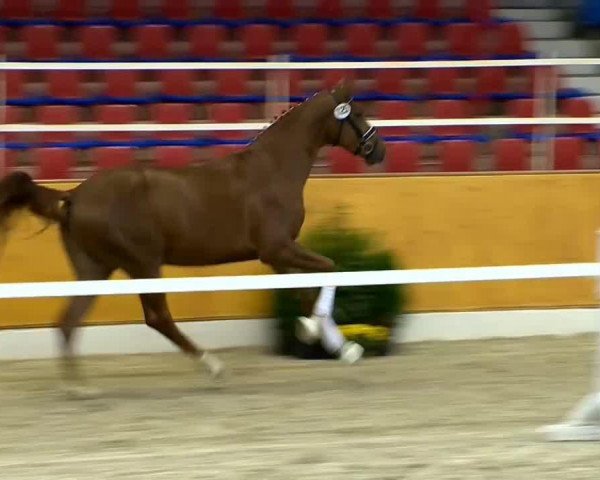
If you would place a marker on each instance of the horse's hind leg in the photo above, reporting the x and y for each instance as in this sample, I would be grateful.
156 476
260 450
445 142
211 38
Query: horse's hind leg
158 317
86 268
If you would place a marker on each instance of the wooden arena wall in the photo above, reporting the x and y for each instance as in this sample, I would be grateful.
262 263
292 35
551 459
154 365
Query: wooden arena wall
433 221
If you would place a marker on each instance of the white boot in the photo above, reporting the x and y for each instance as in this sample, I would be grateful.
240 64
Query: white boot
351 352
308 329
212 363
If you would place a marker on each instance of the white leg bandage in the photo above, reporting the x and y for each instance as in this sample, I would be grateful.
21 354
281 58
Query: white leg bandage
325 301
332 339
212 363
321 324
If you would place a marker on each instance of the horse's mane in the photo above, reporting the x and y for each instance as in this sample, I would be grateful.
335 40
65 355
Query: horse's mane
277 119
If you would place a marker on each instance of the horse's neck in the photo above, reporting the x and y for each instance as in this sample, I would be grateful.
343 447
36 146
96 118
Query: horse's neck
292 143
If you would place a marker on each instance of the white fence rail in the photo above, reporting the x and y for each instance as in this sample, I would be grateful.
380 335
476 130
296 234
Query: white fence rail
276 65
281 65
298 280
254 126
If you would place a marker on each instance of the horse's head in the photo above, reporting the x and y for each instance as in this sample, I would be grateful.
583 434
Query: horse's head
350 129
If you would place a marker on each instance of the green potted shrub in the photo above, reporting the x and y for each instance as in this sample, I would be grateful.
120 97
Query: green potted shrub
365 314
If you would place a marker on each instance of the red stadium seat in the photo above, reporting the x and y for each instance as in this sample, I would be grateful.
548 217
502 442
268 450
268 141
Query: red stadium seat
229 10
179 10
177 82
280 9
524 79
173 156
478 10
330 78
451 109
258 40
510 39
578 107
294 79
361 39
343 162
54 163
64 83
511 154
125 10
568 153
70 9
121 83
112 157
17 9
13 114
463 40
153 41
490 80
231 82
411 39
97 41
56 115
525 108
379 9
442 81
390 81
393 110
329 9
230 113
310 39
15 83
41 41
428 9
204 41
171 113
116 114
402 157
457 155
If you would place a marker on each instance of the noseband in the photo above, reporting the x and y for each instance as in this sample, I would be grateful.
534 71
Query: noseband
343 113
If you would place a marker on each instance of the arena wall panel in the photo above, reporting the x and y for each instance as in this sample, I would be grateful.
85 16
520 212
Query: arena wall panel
432 221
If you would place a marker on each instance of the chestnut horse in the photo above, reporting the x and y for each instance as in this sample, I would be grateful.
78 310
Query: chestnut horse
246 206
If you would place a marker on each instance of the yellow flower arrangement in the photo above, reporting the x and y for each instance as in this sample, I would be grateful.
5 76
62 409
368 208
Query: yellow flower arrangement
355 331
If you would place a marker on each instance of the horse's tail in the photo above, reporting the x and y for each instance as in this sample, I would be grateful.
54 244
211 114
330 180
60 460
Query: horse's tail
18 191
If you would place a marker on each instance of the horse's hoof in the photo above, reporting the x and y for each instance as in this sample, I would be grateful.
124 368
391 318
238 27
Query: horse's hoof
80 392
307 330
351 353
215 367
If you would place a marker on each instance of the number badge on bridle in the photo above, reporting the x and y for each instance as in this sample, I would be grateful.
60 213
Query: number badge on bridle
342 111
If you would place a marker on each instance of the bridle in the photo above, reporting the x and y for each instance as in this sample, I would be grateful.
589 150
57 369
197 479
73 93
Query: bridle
343 114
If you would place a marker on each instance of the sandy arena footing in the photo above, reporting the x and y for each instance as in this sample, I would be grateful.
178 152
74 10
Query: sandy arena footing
448 410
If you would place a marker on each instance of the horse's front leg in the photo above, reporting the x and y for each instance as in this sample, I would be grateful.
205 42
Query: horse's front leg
320 324
292 256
